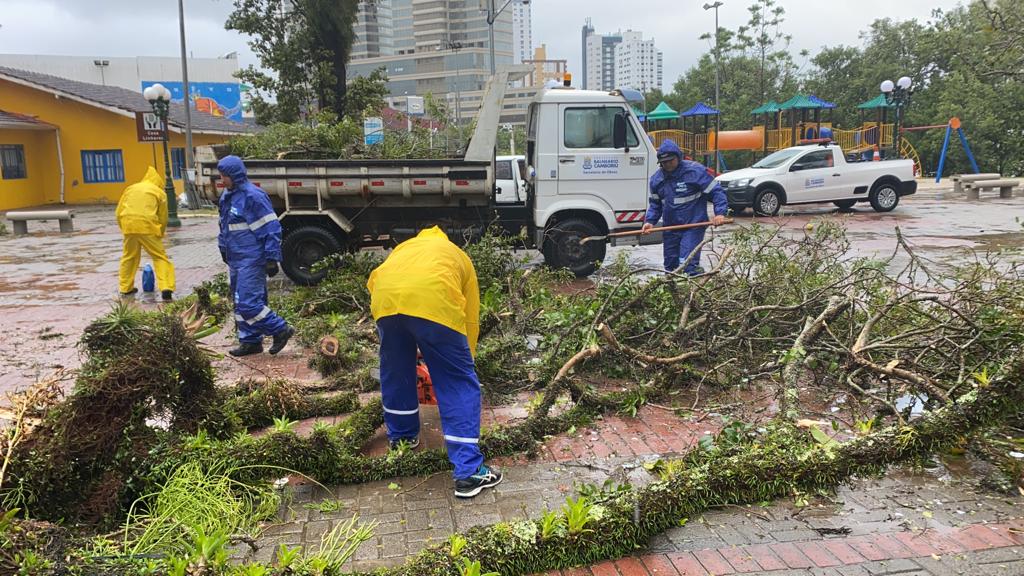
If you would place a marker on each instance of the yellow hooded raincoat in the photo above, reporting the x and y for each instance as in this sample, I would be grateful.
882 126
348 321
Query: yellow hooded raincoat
142 216
428 277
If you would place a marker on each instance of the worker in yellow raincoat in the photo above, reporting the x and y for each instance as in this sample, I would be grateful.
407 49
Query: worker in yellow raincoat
425 296
142 216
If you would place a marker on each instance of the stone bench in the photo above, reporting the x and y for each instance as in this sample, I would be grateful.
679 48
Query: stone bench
1005 188
20 219
960 179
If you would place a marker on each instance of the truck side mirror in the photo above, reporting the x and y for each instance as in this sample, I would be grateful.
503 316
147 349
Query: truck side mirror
619 132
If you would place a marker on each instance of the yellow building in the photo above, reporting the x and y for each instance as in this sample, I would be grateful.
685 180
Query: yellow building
69 142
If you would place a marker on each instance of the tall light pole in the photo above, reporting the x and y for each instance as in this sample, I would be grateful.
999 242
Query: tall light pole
492 15
898 95
718 117
193 198
159 98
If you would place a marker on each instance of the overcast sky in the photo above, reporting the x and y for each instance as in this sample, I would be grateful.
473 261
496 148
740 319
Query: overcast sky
149 27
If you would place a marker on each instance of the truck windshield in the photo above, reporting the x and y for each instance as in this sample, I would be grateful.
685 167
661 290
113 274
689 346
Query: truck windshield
776 159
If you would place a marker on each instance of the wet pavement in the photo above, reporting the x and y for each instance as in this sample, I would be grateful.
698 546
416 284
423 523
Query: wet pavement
912 522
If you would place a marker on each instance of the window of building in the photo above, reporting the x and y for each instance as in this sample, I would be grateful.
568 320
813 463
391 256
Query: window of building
594 128
12 162
99 166
177 162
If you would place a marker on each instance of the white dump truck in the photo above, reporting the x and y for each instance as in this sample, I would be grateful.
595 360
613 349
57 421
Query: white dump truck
588 165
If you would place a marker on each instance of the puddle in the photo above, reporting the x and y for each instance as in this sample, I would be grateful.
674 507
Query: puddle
916 402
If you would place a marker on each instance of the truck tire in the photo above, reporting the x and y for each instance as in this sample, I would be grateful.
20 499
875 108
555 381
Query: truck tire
844 204
767 202
562 247
884 196
302 248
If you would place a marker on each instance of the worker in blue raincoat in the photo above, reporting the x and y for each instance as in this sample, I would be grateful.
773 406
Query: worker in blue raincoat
680 191
425 296
250 244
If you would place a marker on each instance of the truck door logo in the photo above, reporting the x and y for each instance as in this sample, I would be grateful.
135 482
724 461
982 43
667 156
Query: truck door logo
600 165
588 163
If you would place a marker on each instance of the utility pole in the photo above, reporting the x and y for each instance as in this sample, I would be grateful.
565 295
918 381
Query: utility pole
492 15
190 193
718 116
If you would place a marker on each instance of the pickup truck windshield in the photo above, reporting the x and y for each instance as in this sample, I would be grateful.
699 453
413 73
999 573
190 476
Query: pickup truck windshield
776 159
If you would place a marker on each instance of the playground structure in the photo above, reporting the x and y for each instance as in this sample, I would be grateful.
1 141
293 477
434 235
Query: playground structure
798 120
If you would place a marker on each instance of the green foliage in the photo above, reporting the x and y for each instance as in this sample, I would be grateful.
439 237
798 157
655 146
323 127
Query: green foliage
338 545
457 542
284 425
472 568
303 47
551 523
577 515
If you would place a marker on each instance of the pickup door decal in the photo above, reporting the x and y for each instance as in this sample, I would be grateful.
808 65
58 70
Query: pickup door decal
814 183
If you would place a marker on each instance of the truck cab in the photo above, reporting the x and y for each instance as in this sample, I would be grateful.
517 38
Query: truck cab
590 161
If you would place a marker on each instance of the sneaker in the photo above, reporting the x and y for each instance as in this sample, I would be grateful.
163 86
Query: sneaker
167 295
130 293
281 339
246 349
484 478
410 443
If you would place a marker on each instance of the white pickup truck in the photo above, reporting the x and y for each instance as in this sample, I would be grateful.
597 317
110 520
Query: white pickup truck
817 173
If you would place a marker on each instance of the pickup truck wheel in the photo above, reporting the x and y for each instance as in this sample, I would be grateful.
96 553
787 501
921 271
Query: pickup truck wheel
884 197
302 248
845 204
562 247
767 202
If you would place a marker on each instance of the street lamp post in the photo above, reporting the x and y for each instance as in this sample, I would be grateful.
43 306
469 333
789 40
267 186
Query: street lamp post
898 95
159 98
718 117
492 16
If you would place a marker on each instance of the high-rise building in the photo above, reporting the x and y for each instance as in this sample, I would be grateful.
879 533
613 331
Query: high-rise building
623 59
373 29
638 63
437 47
588 29
600 56
522 31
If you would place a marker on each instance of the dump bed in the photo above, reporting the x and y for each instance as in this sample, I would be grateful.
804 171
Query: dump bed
410 183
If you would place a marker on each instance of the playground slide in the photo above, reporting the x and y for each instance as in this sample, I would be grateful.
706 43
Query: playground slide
737 140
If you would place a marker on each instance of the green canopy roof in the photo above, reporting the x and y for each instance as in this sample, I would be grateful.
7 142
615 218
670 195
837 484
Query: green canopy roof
800 102
662 112
769 107
876 102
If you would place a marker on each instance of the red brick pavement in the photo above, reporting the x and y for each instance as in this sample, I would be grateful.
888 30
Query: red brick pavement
832 552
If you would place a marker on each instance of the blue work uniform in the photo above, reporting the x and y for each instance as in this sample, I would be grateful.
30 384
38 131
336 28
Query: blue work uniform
681 198
250 236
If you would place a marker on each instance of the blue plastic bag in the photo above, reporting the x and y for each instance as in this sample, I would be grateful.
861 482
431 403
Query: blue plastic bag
148 279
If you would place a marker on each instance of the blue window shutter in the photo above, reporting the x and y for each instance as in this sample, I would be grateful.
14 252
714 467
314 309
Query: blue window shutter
102 166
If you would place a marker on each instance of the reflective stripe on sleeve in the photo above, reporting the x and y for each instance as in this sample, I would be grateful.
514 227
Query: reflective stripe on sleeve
461 440
238 226
263 221
709 187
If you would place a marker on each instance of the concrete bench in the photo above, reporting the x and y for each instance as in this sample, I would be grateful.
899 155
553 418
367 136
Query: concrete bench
1005 187
20 219
960 179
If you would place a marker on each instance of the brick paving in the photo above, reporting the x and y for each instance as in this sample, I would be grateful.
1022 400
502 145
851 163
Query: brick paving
52 285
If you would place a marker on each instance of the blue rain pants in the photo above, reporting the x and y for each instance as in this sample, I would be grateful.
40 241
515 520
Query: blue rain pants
453 375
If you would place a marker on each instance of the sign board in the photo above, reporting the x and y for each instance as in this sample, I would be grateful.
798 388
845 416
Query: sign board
373 131
149 127
414 106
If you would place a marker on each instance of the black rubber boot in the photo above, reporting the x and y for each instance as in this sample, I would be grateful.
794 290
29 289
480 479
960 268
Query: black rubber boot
246 349
167 295
281 339
130 293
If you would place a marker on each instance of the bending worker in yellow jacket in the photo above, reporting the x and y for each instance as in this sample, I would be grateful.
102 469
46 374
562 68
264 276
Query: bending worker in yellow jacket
426 295
142 216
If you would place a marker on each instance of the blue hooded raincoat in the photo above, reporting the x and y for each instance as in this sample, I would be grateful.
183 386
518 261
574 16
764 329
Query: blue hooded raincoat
681 197
250 236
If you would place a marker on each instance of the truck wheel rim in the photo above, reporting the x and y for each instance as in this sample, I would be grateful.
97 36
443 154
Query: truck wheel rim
886 197
769 202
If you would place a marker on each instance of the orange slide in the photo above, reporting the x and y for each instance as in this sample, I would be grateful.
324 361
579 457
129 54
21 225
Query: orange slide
738 140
